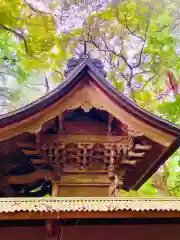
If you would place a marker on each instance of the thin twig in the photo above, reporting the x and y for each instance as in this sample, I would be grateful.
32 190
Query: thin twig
138 73
47 85
57 71
142 48
148 81
144 41
33 88
128 28
111 63
5 73
92 41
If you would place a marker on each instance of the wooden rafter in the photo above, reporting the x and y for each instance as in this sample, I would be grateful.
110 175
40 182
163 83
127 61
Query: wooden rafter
136 154
142 147
31 177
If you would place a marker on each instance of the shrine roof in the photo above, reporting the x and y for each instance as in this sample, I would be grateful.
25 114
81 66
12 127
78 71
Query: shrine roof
117 207
15 124
86 67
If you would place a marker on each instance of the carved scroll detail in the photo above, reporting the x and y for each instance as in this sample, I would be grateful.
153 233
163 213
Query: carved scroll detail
83 155
117 154
85 104
133 132
35 129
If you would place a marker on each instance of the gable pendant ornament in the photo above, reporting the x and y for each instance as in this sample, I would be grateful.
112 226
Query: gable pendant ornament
86 105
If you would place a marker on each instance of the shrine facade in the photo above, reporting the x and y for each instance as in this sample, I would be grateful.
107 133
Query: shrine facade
85 137
82 143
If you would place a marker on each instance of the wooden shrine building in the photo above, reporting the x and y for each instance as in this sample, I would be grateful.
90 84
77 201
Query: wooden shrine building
82 142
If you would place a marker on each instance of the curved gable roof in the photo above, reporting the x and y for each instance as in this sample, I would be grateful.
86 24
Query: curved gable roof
86 67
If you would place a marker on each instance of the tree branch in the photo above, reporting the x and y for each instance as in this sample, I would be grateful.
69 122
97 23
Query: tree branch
144 41
111 62
138 73
128 28
33 88
5 73
142 48
119 55
40 11
47 85
17 34
112 51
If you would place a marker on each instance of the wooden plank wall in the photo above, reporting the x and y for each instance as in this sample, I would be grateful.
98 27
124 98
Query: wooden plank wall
114 232
22 233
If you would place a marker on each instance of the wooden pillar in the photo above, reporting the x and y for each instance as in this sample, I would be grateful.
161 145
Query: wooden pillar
38 144
50 230
55 189
110 119
5 187
115 173
60 123
7 190
54 230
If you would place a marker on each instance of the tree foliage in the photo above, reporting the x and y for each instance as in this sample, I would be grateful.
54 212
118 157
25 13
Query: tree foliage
137 40
30 43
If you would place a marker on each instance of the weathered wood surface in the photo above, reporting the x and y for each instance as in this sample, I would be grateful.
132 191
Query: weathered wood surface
83 138
85 178
107 231
31 177
83 190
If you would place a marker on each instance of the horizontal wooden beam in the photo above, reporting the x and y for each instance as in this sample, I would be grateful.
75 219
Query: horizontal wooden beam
93 214
129 162
31 177
7 190
136 154
38 161
60 138
87 178
84 171
26 145
83 184
31 152
142 147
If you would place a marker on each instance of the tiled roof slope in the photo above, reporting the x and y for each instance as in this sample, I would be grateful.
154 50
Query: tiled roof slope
8 205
